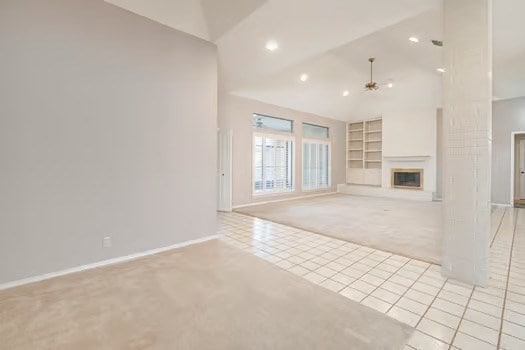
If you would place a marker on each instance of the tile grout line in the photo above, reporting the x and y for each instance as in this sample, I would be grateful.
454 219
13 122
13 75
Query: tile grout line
428 308
379 286
499 226
405 292
465 311
456 330
508 279
461 320
432 303
329 261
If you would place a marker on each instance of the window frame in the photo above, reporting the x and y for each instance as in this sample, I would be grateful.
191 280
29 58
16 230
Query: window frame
328 133
270 130
318 141
279 135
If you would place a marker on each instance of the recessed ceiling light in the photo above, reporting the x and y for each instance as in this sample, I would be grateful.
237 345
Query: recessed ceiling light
304 77
413 39
441 70
346 93
390 85
272 45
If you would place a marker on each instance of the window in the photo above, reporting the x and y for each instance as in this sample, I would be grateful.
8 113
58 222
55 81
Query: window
316 157
264 122
272 163
315 131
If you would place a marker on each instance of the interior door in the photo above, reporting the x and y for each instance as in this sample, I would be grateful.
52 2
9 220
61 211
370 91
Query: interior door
224 170
522 168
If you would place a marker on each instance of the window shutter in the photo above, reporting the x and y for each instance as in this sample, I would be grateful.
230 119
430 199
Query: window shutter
316 164
273 164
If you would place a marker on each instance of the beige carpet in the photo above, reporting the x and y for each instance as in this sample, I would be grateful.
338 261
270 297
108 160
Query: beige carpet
206 296
405 227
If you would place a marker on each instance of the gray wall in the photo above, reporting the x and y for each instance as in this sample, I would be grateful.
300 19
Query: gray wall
507 116
236 113
107 127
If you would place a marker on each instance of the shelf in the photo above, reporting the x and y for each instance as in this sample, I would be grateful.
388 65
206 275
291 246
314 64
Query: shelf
364 138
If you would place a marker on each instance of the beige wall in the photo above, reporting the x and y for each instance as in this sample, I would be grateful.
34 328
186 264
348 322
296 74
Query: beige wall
107 128
507 116
235 113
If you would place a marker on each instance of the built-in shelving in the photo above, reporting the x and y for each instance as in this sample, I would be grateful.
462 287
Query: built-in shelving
364 152
355 147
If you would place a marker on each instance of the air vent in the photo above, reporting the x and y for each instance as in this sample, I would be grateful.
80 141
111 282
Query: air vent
437 43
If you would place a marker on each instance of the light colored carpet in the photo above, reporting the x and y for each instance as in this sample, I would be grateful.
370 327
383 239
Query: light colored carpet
206 296
409 228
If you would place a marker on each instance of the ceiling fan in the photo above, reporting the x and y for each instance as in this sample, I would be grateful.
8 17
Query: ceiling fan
372 85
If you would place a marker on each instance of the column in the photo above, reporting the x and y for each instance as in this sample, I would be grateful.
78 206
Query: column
467 124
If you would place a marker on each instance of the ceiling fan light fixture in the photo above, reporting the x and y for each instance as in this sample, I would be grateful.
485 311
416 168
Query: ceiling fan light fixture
371 85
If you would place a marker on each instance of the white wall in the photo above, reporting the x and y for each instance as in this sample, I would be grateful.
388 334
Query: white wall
507 116
409 134
235 113
409 112
107 128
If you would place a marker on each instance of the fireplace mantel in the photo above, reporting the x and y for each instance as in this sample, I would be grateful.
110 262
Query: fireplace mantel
407 158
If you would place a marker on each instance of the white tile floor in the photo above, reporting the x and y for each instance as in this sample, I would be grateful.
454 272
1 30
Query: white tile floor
445 313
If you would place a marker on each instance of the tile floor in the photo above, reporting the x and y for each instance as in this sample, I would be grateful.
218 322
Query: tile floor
445 313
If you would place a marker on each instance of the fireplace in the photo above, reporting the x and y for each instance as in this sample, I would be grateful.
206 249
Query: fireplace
407 178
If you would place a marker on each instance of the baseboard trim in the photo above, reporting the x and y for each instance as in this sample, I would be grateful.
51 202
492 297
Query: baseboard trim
385 192
283 200
112 261
502 205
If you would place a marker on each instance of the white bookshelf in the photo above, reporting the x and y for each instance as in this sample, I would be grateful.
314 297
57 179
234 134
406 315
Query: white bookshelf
354 145
364 152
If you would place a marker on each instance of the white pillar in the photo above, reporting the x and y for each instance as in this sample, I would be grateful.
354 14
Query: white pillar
467 132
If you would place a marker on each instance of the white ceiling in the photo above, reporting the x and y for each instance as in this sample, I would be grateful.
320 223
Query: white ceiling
331 40
184 15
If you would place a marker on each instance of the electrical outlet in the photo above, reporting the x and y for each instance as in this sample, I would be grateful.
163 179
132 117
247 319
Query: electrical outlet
106 242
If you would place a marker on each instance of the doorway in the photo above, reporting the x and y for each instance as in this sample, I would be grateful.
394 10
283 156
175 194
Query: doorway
224 170
519 170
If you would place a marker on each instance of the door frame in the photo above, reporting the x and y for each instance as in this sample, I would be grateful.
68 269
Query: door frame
225 171
513 162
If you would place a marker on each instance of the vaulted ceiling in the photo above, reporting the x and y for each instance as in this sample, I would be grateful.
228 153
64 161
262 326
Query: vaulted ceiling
331 40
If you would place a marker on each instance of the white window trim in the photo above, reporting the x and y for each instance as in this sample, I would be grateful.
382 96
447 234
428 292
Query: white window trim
284 136
323 142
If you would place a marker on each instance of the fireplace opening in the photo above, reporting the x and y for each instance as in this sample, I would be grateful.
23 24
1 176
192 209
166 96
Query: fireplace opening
407 178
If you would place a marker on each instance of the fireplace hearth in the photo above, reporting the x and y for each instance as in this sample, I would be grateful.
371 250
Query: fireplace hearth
407 178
